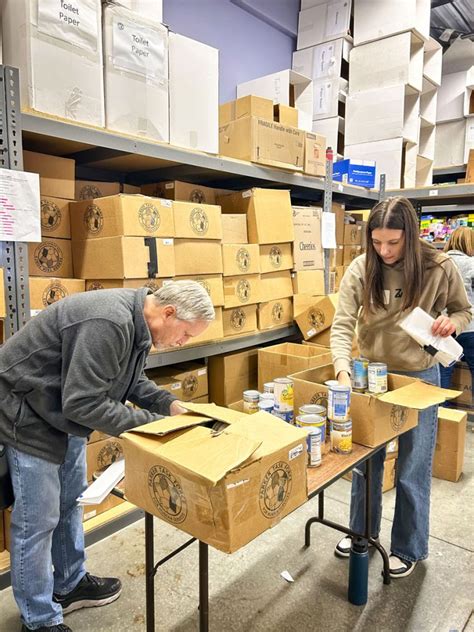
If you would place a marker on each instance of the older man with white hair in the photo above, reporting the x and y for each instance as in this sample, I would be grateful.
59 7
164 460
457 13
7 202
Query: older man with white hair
67 372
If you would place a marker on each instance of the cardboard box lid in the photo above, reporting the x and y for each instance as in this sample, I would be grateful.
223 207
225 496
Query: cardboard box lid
418 395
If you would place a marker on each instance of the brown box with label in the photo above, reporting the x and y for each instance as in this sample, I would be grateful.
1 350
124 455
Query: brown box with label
130 189
462 381
352 234
231 374
197 221
197 256
240 259
318 317
286 358
101 454
234 229
182 191
268 211
274 257
336 256
121 215
134 284
274 314
239 320
375 419
55 218
242 290
212 283
45 291
307 247
263 142
285 114
314 154
339 211
275 285
350 253
51 257
57 175
449 453
91 189
245 106
186 381
214 331
309 282
389 475
226 488
123 258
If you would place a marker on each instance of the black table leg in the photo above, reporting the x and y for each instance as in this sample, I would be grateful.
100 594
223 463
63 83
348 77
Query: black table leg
311 521
149 573
203 587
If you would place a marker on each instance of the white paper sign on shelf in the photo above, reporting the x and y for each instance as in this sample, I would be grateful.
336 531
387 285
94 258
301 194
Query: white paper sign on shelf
20 208
139 49
328 230
75 23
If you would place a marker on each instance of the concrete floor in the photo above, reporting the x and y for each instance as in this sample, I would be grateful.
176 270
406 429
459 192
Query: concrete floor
248 594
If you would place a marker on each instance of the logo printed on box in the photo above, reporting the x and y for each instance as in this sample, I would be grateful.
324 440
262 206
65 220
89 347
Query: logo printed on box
93 219
275 489
277 312
50 215
205 285
398 417
238 319
316 318
167 494
149 217
319 398
199 221
54 292
243 259
190 385
48 257
95 285
275 257
90 192
354 232
109 454
243 291
197 196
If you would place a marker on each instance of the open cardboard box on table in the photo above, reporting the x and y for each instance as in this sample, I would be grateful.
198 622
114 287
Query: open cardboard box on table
375 419
288 357
224 487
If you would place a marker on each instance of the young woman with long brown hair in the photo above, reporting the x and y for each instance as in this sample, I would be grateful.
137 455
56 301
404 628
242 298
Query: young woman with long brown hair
398 273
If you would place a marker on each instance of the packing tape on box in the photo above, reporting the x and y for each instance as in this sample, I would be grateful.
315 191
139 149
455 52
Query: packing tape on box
150 242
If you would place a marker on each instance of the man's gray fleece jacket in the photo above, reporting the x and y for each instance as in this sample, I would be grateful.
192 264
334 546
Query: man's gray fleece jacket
71 369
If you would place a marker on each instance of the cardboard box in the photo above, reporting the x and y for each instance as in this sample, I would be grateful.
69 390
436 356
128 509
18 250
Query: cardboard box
309 282
350 253
129 189
91 511
301 302
315 146
352 234
336 256
214 331
180 191
339 211
259 205
240 259
324 61
389 475
247 106
124 258
234 229
263 142
286 87
275 257
454 96
223 489
91 189
197 256
186 382
332 129
110 284
285 114
45 291
97 435
449 453
462 381
51 257
56 174
307 248
318 317
242 290
275 313
275 285
210 282
286 358
101 454
55 218
197 221
391 450
239 320
338 273
231 374
324 340
121 216
375 419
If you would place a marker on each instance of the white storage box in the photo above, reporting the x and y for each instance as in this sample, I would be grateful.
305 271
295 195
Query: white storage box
426 148
194 94
388 62
286 87
149 9
433 59
136 74
375 19
381 114
328 60
424 172
329 97
324 22
428 101
454 96
453 141
459 56
333 130
59 54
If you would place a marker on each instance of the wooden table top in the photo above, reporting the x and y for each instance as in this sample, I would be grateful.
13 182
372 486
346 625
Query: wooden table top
333 466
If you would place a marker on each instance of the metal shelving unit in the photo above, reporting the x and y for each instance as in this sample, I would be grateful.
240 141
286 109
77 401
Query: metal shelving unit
449 194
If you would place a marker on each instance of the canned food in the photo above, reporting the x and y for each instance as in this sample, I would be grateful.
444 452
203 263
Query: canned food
313 441
330 383
283 391
313 421
360 374
266 405
339 402
268 387
286 415
313 409
251 399
377 378
266 396
341 437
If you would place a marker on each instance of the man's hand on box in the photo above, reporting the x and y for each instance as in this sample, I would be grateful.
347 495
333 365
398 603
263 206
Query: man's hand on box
176 408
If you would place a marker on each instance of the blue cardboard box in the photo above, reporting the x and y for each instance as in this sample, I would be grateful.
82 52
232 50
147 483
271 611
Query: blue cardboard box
351 171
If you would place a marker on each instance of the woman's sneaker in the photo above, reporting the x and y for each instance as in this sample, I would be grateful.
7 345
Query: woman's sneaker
399 567
48 628
343 547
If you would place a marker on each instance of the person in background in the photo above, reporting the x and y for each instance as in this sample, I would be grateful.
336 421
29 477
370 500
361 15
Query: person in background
398 273
460 248
70 370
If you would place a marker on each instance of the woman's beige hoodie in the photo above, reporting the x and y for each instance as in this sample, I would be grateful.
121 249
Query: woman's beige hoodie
380 337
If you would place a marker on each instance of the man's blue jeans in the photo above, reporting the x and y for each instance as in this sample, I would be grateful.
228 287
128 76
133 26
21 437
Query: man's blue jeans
47 538
410 529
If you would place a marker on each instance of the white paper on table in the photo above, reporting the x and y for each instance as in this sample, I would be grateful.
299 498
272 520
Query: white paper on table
328 230
418 325
102 487
20 208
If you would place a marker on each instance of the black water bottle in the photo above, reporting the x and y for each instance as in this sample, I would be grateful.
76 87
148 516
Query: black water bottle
358 572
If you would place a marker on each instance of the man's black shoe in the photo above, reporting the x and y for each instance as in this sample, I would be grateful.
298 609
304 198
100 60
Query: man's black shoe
90 592
48 628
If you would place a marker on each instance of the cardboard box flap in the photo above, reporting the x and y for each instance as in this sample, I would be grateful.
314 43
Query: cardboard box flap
166 426
213 412
451 414
418 395
273 433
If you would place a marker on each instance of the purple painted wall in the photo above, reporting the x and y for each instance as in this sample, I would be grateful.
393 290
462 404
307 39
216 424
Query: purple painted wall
250 46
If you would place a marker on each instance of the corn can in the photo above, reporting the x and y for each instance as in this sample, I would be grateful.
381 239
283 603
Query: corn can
341 437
